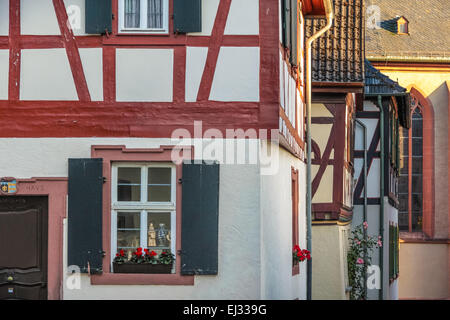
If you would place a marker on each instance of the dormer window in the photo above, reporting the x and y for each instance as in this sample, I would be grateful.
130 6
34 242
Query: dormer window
402 25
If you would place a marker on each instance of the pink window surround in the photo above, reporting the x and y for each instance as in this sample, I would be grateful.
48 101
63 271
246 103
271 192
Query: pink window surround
56 191
120 153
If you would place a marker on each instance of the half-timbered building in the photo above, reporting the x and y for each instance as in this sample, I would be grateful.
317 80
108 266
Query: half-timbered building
98 100
386 111
337 88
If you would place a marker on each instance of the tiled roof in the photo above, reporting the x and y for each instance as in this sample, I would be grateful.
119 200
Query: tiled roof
378 83
338 55
428 27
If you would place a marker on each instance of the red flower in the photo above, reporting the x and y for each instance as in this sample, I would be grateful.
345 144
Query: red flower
302 258
117 254
122 253
153 253
296 248
139 250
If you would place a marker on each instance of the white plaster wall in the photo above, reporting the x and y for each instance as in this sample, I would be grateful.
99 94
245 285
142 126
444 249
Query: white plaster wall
209 12
4 17
4 73
92 61
38 17
144 75
195 64
76 14
239 218
45 74
276 231
236 79
243 18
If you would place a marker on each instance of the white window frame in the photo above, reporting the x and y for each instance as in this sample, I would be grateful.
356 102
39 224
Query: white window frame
143 19
142 206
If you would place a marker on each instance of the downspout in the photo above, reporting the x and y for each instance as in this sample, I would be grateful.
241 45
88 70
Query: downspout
365 198
329 15
382 156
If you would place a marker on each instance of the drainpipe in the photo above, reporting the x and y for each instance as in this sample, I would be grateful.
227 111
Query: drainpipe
330 16
365 198
382 156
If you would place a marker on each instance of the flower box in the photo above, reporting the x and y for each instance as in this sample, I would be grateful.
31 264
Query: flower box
141 268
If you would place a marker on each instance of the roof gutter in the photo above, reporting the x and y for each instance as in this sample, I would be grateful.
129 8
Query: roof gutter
330 16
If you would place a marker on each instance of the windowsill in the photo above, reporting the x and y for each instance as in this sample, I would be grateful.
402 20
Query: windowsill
142 279
142 33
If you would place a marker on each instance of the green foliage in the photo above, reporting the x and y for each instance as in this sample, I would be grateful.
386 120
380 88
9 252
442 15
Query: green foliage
145 257
359 258
166 257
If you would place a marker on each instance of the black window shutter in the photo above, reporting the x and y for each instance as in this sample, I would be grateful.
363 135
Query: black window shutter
85 214
187 15
200 219
98 16
294 22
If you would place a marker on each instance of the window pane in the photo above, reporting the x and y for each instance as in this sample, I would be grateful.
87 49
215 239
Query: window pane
129 184
403 184
128 231
159 233
417 165
416 221
417 128
132 13
403 202
155 14
416 184
417 202
403 220
416 147
159 184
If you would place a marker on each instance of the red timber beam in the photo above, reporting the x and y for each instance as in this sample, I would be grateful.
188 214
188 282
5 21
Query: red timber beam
73 54
14 50
213 51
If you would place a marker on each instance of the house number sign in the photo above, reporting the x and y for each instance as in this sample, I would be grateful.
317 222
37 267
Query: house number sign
8 185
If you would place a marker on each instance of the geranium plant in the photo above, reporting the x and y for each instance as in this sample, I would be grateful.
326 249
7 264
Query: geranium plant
299 255
120 257
359 258
145 256
166 257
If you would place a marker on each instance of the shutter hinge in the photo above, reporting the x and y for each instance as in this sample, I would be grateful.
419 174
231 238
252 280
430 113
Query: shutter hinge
180 181
104 179
179 252
112 16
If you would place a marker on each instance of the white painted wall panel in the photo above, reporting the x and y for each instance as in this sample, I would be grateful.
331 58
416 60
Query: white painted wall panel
76 13
195 64
92 61
4 74
276 234
209 12
144 75
243 18
38 17
373 178
236 79
4 17
45 74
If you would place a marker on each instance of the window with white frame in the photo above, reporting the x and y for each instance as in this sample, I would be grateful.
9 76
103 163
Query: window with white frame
143 207
150 16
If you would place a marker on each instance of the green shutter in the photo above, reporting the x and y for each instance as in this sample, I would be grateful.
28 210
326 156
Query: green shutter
294 25
85 191
286 15
200 219
98 16
187 15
